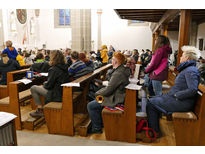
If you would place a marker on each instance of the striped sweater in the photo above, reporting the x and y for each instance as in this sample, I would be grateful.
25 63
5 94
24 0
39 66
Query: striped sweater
78 69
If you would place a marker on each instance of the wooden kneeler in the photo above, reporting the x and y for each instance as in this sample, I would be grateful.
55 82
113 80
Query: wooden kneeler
121 126
33 123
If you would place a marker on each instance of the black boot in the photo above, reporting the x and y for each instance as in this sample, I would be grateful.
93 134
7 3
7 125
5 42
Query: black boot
37 113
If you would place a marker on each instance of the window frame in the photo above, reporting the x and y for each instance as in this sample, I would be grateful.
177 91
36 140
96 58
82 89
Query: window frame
130 23
56 19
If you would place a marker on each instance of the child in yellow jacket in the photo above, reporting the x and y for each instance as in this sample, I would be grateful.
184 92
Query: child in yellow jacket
104 55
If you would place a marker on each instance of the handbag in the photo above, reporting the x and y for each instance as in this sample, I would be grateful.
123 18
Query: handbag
143 125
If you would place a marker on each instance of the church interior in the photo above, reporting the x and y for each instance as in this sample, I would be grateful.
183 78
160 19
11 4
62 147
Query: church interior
32 31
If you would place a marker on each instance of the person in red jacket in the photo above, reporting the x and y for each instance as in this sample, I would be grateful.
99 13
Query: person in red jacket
158 68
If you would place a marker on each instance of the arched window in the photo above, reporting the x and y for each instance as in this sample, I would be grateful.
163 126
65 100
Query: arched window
62 18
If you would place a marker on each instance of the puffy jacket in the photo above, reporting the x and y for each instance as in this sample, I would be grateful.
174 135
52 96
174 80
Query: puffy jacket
182 95
104 55
20 60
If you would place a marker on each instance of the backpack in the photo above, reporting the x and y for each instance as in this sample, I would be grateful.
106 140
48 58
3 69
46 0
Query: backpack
143 125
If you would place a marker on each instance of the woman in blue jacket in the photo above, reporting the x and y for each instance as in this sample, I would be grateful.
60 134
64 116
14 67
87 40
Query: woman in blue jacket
181 97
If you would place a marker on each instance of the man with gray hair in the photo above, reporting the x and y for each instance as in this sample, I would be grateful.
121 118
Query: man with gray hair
181 97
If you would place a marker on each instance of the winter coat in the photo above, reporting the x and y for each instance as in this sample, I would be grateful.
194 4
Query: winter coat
40 67
104 55
114 93
19 58
11 65
158 69
182 95
57 75
11 52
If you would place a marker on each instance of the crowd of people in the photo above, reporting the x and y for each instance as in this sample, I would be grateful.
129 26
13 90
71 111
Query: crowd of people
67 65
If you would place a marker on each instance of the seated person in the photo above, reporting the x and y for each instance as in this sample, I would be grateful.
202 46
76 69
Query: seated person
88 63
131 65
39 58
181 97
10 51
27 59
67 56
97 64
77 68
40 67
113 93
20 59
7 65
51 89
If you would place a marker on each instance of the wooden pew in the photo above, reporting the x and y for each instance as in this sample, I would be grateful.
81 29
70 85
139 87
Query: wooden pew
11 76
172 73
60 116
121 126
19 92
26 66
189 126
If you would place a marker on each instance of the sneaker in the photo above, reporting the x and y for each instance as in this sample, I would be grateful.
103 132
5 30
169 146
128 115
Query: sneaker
37 113
95 131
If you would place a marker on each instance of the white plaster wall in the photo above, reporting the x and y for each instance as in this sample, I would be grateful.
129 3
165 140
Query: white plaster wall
54 38
201 34
116 32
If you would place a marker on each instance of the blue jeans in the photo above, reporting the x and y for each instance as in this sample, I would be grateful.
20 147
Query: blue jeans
155 88
153 115
95 110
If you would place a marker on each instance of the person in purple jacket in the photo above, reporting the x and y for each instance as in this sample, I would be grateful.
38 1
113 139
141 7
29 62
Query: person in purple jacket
10 51
182 96
158 68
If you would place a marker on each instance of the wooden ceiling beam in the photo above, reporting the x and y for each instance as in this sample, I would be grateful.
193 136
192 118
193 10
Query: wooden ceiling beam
168 16
139 10
141 14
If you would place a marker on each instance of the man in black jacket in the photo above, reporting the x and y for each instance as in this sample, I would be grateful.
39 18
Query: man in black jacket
7 65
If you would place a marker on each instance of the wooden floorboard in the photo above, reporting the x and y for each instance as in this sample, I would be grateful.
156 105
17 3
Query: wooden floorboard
168 138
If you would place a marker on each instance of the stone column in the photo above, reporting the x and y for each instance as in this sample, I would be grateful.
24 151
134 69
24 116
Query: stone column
99 12
1 31
87 30
81 29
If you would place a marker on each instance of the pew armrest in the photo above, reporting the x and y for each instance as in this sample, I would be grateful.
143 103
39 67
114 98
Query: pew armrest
53 105
184 115
3 86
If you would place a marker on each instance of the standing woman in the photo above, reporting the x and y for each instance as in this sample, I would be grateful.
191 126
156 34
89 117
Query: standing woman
51 89
158 69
